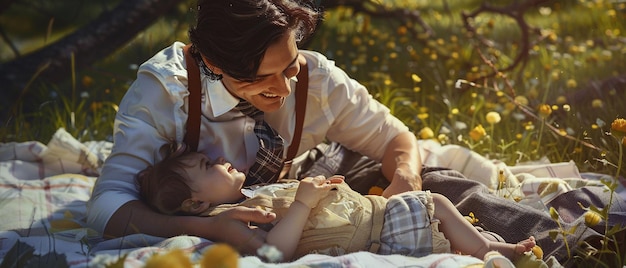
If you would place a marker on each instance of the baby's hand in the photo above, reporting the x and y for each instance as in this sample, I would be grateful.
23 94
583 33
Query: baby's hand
312 189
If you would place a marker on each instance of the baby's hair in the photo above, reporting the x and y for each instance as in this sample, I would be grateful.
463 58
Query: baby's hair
164 185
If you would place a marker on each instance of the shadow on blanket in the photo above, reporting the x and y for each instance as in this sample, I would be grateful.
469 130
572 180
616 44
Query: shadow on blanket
514 221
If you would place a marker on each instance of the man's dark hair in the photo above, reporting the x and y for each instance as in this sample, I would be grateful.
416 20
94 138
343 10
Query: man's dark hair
233 35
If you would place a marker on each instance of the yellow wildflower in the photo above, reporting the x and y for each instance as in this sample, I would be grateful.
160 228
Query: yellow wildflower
521 100
375 190
402 30
493 118
592 218
443 138
87 81
427 133
220 255
477 133
618 127
173 259
556 75
597 103
571 83
545 110
471 218
416 78
566 107
538 252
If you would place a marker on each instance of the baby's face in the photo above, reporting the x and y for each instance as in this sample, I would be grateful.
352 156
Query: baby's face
215 182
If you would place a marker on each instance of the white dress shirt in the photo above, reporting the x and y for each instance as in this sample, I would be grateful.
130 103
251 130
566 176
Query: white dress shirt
154 112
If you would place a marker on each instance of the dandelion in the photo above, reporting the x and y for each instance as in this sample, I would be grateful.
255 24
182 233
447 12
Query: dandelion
618 128
402 30
269 252
471 218
545 110
477 133
87 81
416 78
175 259
493 118
561 100
571 83
592 218
426 133
443 138
375 190
220 255
545 11
566 107
521 100
597 103
538 252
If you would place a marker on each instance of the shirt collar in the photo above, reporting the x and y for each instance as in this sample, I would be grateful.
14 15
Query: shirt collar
220 99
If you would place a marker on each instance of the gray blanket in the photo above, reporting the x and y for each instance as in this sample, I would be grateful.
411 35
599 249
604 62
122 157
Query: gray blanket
516 222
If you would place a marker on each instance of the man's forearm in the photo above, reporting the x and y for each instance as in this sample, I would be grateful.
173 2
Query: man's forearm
135 217
402 153
230 226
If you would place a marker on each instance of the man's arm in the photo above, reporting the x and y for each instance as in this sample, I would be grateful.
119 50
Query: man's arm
230 226
402 165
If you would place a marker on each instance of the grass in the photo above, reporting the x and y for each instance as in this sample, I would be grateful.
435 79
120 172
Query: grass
426 81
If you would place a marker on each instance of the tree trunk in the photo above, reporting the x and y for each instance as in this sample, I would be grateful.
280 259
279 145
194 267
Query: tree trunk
88 44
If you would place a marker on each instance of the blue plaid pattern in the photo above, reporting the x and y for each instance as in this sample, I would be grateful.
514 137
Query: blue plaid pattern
269 158
407 227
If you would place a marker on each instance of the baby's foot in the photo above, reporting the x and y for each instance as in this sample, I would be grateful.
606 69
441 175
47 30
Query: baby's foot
525 246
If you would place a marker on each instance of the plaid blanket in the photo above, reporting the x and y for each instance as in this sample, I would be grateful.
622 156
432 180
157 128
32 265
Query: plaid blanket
44 189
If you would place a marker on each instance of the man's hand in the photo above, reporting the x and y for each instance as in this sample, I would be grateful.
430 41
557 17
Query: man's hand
403 181
232 226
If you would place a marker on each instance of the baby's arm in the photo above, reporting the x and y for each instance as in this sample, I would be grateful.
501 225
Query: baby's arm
286 234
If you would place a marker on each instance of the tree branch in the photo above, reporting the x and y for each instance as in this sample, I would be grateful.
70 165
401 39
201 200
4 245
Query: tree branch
94 41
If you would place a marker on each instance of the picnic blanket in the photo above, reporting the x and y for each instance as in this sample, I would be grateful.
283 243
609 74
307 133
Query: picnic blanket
44 189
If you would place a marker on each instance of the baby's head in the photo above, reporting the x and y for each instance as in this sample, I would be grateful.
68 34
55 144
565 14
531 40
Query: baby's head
188 183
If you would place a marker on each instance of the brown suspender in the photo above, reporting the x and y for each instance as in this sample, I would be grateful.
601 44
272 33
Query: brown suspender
192 134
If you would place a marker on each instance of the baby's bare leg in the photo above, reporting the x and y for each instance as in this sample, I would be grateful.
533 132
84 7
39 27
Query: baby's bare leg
466 239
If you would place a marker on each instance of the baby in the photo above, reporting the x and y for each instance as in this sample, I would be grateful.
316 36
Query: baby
318 215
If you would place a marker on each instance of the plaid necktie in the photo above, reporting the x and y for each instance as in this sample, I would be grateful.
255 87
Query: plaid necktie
269 158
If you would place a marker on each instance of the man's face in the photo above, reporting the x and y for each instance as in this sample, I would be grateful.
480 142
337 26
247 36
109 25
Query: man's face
272 85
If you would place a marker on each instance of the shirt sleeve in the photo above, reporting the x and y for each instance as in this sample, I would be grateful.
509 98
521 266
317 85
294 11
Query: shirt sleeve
142 125
356 120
